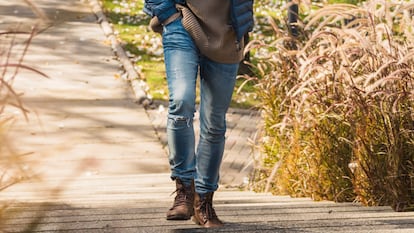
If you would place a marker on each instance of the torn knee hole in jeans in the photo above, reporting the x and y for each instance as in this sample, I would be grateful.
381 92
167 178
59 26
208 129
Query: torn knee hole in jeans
181 119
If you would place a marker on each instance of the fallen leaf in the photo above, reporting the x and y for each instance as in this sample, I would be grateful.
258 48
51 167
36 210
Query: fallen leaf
106 42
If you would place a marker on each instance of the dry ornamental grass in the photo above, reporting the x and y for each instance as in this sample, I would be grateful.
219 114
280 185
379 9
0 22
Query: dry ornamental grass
13 167
338 105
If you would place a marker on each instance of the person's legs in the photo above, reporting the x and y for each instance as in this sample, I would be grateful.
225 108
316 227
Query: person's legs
217 84
216 89
181 62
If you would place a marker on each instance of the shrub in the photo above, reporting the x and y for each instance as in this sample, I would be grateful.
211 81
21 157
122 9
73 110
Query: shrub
338 105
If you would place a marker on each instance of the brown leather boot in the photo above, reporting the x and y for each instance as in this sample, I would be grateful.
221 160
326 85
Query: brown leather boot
182 208
204 213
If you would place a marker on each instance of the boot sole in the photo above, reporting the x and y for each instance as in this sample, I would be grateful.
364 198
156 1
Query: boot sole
178 217
195 220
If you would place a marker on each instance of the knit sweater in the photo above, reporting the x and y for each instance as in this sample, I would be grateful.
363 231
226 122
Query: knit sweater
217 26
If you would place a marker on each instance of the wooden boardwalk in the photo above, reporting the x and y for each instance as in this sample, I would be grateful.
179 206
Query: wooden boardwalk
99 161
138 203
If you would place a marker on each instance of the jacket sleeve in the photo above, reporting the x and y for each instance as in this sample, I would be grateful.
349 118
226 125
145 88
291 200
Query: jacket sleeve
163 9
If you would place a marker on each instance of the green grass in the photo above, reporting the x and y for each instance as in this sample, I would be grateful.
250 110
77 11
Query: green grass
131 26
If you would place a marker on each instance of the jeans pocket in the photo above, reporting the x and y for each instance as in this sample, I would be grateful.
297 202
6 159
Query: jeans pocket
172 18
173 25
174 36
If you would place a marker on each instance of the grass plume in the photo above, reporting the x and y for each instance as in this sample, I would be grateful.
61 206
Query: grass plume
338 105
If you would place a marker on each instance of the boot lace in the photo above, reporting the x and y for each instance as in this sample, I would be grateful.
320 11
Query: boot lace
181 198
207 210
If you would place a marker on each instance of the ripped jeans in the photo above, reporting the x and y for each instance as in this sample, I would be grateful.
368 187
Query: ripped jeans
183 64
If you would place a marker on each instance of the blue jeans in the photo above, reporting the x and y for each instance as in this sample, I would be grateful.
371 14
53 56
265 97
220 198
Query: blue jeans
183 64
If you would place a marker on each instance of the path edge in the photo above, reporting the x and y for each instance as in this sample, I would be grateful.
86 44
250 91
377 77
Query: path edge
138 85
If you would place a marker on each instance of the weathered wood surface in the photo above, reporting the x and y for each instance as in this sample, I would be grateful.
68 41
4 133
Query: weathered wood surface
138 203
100 163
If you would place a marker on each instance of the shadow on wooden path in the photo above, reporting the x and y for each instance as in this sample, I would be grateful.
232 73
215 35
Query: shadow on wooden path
99 162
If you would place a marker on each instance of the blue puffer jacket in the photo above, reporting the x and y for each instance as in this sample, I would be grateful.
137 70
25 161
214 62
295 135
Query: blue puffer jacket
241 13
